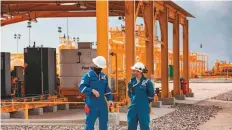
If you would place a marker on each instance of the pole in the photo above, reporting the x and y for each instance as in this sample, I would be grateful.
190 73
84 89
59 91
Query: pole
29 36
17 45
67 31
116 61
42 71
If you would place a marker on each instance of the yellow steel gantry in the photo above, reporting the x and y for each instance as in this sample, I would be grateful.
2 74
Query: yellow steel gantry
163 11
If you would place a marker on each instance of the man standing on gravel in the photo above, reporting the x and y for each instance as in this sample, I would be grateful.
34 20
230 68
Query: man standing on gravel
141 93
94 85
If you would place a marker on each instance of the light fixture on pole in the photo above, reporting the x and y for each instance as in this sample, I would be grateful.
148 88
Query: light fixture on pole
29 26
60 31
17 37
76 40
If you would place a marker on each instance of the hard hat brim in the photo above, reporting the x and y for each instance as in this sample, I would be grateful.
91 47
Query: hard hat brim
95 62
133 68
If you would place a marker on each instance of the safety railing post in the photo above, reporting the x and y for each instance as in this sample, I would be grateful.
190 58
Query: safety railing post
26 111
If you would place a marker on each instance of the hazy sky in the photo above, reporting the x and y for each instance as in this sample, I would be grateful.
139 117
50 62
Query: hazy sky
212 27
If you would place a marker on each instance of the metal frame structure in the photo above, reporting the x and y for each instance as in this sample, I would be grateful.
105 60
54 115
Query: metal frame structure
163 11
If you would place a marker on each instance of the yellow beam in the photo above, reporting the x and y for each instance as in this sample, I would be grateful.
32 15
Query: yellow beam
186 52
130 37
176 55
102 30
148 16
164 52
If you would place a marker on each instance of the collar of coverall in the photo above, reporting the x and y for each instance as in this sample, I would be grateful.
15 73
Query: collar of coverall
142 78
92 73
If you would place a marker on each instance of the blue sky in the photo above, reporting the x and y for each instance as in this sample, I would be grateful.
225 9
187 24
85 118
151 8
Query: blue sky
212 27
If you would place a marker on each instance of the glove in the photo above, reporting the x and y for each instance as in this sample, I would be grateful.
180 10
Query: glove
87 110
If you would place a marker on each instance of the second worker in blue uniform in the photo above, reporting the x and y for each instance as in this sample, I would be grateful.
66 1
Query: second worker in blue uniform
141 93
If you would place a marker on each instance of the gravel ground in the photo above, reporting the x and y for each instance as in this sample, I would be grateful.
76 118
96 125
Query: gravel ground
224 97
185 117
54 127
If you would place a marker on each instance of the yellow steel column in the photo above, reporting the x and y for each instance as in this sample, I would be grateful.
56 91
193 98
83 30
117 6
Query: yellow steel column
164 52
130 37
176 55
149 33
186 52
102 30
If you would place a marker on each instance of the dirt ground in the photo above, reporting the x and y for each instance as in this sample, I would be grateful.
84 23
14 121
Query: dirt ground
222 120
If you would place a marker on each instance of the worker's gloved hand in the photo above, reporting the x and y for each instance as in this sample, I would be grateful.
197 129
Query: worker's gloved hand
95 92
87 110
111 103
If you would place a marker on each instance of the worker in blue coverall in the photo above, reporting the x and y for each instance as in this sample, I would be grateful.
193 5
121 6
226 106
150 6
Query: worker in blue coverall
141 94
94 85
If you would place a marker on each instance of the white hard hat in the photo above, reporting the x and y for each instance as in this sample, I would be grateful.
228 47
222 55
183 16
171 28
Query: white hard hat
100 61
138 66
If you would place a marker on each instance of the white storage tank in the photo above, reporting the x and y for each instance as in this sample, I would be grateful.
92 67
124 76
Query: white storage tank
74 63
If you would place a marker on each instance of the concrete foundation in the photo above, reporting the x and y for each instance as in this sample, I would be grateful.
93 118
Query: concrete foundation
18 114
113 119
36 111
50 109
190 95
157 104
180 97
168 101
5 115
123 109
76 106
63 107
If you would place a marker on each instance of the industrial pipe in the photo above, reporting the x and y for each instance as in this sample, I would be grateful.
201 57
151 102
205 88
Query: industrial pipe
116 62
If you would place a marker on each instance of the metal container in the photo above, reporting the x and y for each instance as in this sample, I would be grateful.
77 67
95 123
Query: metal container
74 70
73 56
70 82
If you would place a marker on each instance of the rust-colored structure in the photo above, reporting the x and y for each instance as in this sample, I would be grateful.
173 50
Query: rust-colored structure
163 11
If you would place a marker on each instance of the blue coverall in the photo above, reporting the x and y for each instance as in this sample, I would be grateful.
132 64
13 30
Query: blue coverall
141 93
98 105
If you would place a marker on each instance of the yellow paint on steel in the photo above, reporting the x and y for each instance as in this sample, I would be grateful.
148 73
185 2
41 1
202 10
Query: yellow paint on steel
176 55
149 32
186 52
130 38
102 13
164 52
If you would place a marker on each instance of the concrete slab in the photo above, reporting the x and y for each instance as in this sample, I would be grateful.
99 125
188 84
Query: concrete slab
123 109
18 114
180 97
167 101
63 107
5 115
190 95
157 104
113 119
205 90
36 111
188 101
77 116
50 109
